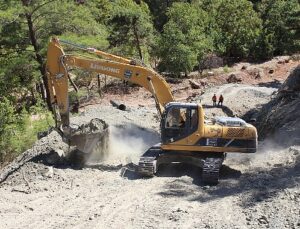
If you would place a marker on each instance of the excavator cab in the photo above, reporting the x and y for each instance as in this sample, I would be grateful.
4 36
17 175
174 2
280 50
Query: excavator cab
179 121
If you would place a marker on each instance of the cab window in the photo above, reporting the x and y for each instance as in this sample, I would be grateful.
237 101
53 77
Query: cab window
176 118
194 119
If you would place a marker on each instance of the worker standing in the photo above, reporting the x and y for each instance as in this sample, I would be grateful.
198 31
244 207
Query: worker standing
214 99
221 99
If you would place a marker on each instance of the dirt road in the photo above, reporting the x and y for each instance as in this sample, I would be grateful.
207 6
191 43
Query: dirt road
250 195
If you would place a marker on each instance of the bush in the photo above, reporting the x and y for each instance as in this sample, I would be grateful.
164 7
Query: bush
226 69
18 131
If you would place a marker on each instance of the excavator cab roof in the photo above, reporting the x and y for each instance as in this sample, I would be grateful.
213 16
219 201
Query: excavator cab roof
183 105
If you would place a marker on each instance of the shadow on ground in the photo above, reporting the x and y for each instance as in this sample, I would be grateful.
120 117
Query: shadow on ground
257 186
272 84
253 186
183 185
225 109
180 170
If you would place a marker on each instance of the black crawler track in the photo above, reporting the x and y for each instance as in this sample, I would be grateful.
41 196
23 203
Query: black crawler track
211 169
147 163
210 163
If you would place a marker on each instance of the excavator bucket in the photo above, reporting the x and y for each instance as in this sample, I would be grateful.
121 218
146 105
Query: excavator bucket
89 142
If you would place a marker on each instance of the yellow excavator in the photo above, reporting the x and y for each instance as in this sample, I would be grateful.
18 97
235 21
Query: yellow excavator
186 136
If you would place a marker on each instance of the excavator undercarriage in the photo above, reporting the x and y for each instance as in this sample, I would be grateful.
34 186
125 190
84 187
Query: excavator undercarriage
210 163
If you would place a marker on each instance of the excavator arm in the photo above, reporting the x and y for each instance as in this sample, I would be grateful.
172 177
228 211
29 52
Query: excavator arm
57 74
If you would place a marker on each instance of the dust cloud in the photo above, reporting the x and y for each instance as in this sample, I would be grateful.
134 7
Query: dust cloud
128 142
268 151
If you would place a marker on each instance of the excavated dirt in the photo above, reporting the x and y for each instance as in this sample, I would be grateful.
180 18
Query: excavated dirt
90 137
90 140
255 191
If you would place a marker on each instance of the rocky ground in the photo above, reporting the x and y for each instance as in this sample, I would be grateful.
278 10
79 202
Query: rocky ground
255 191
250 195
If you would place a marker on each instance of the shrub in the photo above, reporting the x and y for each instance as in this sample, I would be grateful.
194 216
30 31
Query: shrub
18 131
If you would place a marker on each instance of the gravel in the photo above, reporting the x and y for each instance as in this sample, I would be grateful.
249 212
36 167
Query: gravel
255 191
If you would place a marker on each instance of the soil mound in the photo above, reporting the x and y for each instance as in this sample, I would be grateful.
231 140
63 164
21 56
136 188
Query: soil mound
89 139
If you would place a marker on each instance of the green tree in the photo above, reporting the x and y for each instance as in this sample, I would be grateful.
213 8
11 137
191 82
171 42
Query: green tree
184 40
159 9
131 28
281 26
26 30
100 9
235 27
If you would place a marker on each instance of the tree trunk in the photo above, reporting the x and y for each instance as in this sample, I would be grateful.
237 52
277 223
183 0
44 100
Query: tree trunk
99 85
33 99
38 57
137 39
42 90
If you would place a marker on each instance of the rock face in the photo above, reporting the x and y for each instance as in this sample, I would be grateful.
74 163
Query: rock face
292 84
280 118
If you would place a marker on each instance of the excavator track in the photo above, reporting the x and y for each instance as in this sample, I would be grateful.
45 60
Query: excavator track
147 164
211 169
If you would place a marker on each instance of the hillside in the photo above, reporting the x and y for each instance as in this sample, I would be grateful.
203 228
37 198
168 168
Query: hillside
280 118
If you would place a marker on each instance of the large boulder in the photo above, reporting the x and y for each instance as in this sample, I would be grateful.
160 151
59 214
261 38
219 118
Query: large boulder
211 61
234 78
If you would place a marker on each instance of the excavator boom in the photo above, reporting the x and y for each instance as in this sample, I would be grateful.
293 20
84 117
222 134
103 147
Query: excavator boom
57 69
